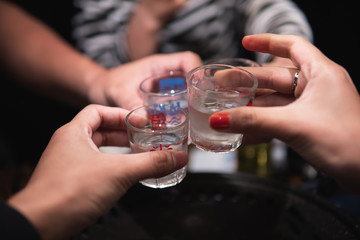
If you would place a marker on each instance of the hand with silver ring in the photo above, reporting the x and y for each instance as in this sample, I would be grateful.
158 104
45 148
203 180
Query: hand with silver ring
318 114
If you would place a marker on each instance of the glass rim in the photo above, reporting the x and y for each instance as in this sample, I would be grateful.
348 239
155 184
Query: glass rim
209 66
249 61
165 74
154 130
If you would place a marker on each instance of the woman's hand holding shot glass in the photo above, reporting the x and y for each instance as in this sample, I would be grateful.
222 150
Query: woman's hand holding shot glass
315 108
74 183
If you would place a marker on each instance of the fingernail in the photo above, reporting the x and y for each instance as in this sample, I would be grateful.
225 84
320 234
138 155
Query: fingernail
180 159
220 121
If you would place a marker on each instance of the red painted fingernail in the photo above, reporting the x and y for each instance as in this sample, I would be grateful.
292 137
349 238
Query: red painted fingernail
220 121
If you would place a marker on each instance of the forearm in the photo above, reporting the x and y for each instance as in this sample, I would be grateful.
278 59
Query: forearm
40 58
142 34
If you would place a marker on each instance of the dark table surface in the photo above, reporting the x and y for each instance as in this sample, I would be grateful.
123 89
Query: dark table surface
223 206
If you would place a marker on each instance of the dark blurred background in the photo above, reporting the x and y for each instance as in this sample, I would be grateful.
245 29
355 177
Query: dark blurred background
334 25
28 120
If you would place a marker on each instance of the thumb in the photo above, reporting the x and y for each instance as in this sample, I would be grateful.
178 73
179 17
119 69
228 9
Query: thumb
273 122
155 164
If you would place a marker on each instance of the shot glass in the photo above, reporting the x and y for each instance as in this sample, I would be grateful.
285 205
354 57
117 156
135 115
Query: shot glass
212 88
159 127
168 87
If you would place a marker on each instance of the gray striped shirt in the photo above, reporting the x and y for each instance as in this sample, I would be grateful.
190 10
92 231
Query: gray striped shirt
211 28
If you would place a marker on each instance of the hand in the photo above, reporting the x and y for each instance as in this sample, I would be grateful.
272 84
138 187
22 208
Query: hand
321 122
74 183
120 86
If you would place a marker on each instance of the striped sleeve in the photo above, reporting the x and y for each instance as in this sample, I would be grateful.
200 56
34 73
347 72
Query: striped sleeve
211 28
272 16
99 30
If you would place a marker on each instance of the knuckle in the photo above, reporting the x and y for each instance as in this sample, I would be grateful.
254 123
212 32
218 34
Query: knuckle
299 38
343 71
60 130
296 39
65 132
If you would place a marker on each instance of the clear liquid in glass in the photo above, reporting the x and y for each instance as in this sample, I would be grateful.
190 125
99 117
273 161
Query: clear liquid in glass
162 143
205 137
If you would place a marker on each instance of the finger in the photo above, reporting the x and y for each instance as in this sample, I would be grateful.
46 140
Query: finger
108 125
296 48
278 122
273 99
110 137
239 78
95 116
153 164
279 79
263 91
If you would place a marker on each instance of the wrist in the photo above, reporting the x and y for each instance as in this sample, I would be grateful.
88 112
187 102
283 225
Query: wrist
41 212
53 215
93 78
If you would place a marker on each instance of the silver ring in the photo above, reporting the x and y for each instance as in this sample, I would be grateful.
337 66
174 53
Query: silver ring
296 77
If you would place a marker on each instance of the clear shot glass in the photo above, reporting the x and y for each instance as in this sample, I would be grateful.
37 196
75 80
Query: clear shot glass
212 88
159 127
168 87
